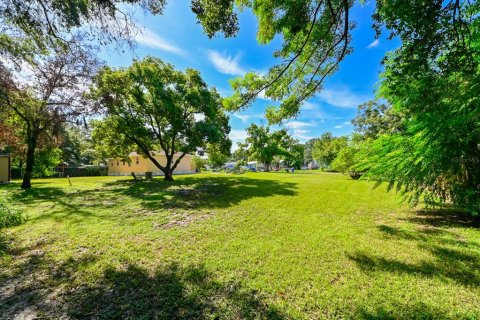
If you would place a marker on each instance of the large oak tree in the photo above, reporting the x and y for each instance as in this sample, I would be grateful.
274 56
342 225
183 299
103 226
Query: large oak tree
151 105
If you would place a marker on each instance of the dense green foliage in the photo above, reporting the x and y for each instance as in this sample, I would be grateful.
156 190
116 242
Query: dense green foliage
315 38
348 157
432 83
222 246
327 147
216 156
374 119
264 145
151 106
28 28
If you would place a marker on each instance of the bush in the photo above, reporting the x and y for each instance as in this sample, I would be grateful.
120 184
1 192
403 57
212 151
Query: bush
91 171
9 216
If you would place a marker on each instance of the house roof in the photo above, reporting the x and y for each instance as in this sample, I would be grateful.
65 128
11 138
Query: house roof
155 153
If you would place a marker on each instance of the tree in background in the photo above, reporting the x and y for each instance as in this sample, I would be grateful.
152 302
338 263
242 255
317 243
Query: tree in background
308 151
348 157
217 156
375 118
47 92
264 145
200 163
150 105
241 154
295 157
76 145
327 147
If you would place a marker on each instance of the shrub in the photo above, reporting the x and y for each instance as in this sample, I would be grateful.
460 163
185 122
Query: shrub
9 216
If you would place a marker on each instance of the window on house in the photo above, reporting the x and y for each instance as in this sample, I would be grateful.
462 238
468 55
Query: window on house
137 161
111 163
123 163
118 163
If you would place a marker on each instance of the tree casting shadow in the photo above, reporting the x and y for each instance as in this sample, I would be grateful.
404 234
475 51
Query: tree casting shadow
194 192
41 287
453 257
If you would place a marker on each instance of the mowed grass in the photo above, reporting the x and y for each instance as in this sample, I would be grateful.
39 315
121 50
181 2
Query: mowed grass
219 246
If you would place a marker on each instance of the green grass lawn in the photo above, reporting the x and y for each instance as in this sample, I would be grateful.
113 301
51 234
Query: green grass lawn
218 246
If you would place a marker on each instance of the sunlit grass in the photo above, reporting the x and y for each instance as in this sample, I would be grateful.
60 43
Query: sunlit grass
259 245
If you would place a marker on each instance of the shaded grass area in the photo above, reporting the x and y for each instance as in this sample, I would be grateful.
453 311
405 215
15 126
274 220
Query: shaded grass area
255 246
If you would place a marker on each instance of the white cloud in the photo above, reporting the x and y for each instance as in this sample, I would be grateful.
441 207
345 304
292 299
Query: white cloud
199 117
238 135
374 44
309 105
151 39
342 98
226 64
246 117
301 134
338 127
347 123
299 124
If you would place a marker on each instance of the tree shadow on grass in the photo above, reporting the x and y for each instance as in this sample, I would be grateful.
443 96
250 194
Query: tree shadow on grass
453 258
407 311
194 192
40 287
172 292
445 217
183 193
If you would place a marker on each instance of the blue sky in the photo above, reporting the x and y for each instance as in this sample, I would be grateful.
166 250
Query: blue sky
175 37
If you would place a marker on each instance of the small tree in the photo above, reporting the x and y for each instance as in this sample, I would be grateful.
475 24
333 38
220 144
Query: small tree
348 157
217 156
265 145
199 163
151 105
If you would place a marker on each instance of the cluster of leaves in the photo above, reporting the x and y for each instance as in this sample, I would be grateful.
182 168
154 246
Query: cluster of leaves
315 39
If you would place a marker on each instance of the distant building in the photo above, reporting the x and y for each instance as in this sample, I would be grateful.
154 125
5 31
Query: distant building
140 164
5 172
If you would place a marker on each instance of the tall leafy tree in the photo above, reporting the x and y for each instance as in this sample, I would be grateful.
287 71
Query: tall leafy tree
295 157
348 157
216 156
432 79
151 105
47 92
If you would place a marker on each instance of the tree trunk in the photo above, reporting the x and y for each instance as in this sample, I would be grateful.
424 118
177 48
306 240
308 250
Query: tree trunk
168 175
168 169
27 177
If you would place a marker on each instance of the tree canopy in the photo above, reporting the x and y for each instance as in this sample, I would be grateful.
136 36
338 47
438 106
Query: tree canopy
431 81
150 105
47 92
